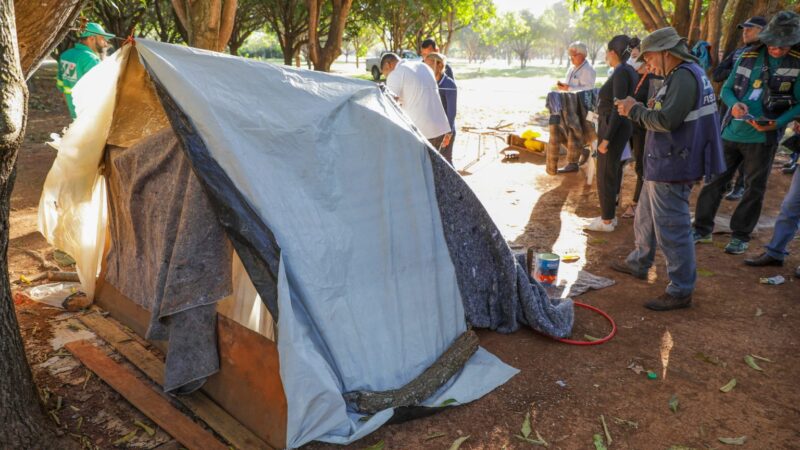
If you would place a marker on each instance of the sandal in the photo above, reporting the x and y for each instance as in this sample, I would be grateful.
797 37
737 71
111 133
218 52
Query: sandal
630 212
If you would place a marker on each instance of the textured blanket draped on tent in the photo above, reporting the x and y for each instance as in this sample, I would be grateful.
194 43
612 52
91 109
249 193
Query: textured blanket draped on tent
372 254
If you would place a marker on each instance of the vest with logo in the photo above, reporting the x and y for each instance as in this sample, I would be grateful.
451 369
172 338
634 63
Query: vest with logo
694 149
780 83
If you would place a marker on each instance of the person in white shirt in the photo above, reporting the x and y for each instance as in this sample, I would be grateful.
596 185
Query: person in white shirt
581 75
415 87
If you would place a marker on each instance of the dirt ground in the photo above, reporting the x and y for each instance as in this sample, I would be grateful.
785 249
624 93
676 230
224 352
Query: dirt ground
564 388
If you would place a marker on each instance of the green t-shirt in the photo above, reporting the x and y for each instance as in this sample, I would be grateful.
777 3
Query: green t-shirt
73 64
741 131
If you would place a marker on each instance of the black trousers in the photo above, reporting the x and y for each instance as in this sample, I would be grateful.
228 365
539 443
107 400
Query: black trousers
637 149
756 162
447 151
609 173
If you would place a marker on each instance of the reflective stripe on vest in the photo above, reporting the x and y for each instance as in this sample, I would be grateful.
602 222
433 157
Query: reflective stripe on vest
701 112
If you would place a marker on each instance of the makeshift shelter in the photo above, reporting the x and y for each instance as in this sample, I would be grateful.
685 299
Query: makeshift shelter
289 234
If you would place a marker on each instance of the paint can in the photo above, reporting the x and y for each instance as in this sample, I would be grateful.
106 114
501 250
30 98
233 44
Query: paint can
546 268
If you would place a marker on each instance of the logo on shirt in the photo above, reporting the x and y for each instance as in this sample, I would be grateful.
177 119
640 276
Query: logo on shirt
68 71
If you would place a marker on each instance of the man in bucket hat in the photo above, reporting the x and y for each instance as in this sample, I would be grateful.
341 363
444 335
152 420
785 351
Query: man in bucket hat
75 62
682 147
764 96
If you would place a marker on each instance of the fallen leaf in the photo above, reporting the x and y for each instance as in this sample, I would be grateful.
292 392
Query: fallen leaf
733 441
377 446
541 439
434 436
752 363
457 443
673 403
125 439
449 401
761 358
531 441
598 442
590 338
150 432
728 387
526 426
705 273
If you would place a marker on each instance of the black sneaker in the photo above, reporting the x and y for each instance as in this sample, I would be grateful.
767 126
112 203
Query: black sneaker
666 302
763 260
624 268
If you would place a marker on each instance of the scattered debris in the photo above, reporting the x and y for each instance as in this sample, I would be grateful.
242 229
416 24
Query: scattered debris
457 443
62 258
773 281
561 383
759 312
605 429
710 359
636 368
752 363
733 441
728 387
377 446
652 375
150 432
433 436
705 273
628 423
125 439
526 426
590 338
570 258
673 403
449 401
761 358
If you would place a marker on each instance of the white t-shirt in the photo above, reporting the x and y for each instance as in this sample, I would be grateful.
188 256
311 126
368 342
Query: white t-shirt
581 78
413 82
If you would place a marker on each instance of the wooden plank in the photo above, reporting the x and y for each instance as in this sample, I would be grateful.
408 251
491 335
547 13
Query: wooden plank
145 399
197 402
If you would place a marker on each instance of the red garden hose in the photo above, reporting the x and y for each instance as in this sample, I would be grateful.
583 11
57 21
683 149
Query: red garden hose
599 341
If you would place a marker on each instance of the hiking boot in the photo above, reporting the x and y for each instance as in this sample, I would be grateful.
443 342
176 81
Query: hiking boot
667 302
625 268
736 247
763 260
571 167
701 238
735 194
598 225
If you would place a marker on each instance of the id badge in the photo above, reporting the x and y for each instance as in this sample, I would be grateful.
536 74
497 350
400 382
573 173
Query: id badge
755 94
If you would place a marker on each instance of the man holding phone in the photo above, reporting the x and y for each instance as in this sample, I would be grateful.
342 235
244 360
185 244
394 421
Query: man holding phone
763 95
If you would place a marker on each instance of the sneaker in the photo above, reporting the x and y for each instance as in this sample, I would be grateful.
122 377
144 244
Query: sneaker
763 260
735 194
598 225
666 302
623 267
701 238
736 247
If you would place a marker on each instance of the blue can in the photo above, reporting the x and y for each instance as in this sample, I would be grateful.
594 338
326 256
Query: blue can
546 268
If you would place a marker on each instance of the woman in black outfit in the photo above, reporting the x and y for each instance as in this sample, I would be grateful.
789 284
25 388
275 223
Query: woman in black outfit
614 131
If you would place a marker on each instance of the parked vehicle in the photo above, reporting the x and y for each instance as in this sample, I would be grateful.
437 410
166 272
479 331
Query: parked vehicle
373 65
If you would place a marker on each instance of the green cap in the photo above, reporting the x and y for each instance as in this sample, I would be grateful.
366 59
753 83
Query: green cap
94 29
782 31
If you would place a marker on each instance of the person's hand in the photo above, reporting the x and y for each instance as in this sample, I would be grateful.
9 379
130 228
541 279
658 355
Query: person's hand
770 126
562 87
739 110
603 147
625 105
651 103
796 127
446 140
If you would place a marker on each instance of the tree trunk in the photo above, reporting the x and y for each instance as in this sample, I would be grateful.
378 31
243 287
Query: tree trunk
694 24
682 17
322 56
209 23
38 32
715 10
733 36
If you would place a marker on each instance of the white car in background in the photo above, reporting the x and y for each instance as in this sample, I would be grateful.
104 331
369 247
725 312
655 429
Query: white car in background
373 65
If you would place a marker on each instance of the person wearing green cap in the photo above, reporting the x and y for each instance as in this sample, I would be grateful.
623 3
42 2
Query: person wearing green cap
77 61
763 94
682 147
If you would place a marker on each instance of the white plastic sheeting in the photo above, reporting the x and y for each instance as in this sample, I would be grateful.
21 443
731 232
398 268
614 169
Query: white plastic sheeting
72 209
367 293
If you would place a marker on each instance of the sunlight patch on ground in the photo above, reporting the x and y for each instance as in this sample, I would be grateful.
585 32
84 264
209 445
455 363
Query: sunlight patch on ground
571 241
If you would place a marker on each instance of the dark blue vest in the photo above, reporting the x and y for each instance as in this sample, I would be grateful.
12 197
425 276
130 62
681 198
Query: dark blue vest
694 149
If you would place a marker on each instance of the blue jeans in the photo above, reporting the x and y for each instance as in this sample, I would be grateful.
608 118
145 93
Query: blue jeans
788 221
662 217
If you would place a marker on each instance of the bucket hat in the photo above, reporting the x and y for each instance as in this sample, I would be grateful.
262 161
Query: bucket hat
782 31
666 39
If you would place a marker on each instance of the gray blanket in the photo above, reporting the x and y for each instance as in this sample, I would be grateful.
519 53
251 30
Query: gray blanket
168 253
496 289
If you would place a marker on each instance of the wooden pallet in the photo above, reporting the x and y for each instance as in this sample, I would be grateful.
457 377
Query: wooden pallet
197 402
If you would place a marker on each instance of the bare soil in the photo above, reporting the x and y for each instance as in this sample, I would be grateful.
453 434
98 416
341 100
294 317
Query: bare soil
564 388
